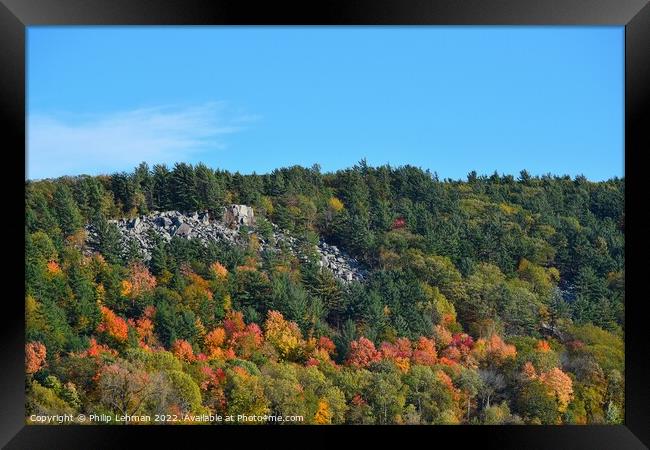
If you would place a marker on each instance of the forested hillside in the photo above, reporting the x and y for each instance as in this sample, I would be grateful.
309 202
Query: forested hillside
493 300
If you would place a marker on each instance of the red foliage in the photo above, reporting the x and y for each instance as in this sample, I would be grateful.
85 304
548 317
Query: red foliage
234 322
325 343
311 362
461 340
357 400
400 222
247 341
362 353
212 377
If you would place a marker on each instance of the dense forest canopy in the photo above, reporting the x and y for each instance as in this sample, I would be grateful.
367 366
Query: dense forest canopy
491 300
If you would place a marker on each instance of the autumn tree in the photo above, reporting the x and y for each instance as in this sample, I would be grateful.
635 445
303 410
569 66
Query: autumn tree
362 353
113 325
35 354
283 335
124 387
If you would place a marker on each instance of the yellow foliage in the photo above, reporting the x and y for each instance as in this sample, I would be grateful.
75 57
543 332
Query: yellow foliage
227 303
165 277
253 243
323 415
100 294
403 364
507 209
285 336
127 287
335 204
267 205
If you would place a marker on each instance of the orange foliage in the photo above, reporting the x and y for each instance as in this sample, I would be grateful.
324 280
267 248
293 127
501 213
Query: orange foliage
400 349
144 327
113 325
543 346
95 349
494 349
219 270
559 385
442 335
139 282
35 353
240 371
528 371
446 380
53 268
425 353
183 350
447 362
213 342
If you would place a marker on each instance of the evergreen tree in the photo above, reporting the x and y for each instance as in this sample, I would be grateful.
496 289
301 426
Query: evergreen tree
66 210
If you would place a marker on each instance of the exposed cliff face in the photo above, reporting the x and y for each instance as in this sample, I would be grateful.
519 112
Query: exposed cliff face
199 225
235 215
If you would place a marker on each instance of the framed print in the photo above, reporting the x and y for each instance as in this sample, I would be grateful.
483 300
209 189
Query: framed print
364 218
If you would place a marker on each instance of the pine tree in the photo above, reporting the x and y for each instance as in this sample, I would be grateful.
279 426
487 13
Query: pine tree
183 188
66 210
109 239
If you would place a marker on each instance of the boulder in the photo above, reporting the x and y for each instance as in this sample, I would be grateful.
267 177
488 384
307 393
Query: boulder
183 230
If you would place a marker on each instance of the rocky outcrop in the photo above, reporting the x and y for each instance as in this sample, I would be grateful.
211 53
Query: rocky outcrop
343 266
236 215
199 226
330 257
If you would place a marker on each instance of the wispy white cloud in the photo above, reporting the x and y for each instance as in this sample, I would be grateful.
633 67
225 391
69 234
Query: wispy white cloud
69 145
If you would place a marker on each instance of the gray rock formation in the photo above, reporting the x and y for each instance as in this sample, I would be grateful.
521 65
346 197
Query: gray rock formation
198 225
236 215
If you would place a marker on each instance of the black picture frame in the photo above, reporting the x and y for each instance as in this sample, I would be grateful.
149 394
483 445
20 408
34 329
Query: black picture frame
634 15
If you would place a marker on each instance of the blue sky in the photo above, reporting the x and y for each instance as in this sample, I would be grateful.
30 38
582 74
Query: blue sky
448 99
